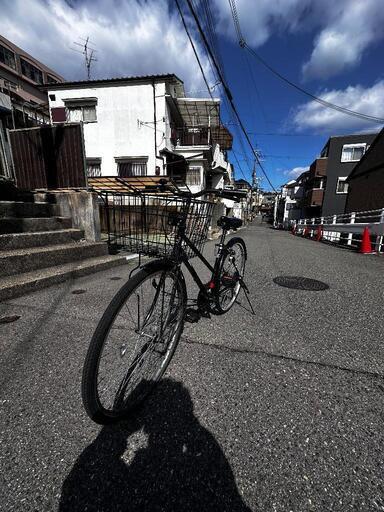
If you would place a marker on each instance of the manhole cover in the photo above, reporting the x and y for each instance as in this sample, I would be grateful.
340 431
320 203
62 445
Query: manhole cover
9 319
300 283
116 278
78 291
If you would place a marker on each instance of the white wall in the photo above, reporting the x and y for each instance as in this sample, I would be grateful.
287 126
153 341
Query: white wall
116 132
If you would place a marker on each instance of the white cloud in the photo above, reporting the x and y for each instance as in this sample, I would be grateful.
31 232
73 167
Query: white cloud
259 23
343 29
370 100
133 37
295 172
342 43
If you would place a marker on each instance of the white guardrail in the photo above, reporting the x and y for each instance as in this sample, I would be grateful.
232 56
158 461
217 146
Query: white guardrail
346 228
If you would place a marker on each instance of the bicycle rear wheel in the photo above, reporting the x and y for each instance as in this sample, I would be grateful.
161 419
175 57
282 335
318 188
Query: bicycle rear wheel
134 342
231 270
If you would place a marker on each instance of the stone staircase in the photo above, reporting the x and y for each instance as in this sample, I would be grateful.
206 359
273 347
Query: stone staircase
38 248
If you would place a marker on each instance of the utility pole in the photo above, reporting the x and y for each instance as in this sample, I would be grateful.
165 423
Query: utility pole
88 53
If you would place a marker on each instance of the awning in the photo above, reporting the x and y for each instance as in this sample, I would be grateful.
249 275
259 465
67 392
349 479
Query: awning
176 165
199 111
133 184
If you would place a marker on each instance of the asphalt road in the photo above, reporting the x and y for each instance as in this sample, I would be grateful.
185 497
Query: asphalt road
281 411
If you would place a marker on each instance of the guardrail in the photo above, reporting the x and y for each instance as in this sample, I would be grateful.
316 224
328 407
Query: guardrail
345 229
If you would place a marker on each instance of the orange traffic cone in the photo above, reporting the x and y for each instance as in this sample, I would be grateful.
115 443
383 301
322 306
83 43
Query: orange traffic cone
319 234
366 247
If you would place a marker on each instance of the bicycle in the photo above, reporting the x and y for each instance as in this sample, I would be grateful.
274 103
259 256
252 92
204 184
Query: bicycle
139 331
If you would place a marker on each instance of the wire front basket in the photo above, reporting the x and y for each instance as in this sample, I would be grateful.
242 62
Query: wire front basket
149 223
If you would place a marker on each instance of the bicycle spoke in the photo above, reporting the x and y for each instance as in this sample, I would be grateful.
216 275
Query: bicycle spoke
138 340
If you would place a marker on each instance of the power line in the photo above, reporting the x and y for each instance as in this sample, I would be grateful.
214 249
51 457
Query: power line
198 61
193 48
323 102
328 104
227 90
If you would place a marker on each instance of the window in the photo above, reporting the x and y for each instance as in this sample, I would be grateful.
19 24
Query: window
31 71
7 57
93 167
193 176
51 80
352 152
342 185
85 113
131 166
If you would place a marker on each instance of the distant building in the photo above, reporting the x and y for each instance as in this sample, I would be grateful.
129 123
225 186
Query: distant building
145 126
337 160
288 206
366 181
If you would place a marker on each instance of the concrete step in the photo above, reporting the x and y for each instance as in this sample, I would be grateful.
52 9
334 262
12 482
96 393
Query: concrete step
14 286
19 261
32 224
12 241
27 209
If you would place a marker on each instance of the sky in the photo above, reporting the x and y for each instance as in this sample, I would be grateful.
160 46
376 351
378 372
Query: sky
332 49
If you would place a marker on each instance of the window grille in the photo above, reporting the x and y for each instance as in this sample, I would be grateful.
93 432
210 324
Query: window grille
193 176
93 167
132 167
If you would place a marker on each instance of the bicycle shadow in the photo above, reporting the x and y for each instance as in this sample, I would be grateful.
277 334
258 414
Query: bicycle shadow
181 468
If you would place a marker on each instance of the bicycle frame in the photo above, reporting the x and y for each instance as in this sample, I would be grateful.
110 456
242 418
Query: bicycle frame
184 259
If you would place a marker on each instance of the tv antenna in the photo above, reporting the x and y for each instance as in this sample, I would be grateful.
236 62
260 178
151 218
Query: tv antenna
88 52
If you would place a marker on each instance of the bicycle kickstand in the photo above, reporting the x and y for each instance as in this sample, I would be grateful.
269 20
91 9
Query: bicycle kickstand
246 293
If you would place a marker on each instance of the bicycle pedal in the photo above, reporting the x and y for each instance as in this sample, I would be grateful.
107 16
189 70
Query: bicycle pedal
192 316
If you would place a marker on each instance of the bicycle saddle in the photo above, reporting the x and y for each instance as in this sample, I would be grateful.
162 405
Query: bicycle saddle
229 222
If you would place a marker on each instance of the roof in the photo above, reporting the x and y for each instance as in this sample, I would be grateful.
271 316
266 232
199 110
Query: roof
112 81
29 57
373 159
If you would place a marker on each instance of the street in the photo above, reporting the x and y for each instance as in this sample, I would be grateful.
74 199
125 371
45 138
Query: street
279 411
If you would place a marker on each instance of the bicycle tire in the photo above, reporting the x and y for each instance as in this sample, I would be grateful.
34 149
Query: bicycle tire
91 396
226 252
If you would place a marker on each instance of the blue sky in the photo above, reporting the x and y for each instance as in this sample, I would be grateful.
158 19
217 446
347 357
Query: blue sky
333 49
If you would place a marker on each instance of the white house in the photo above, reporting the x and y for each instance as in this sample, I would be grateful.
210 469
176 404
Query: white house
145 126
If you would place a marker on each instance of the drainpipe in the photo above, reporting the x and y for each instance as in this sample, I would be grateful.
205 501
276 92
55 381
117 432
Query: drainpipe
155 124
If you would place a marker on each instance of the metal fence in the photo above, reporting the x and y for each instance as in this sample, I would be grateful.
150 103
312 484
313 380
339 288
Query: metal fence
48 157
346 229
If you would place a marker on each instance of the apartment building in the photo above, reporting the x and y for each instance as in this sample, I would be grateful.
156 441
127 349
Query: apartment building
22 102
366 181
145 126
337 160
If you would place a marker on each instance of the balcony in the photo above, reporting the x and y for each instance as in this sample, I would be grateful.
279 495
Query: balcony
314 197
191 136
318 168
201 136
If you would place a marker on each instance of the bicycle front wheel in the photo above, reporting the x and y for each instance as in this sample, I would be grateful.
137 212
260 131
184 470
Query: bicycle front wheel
134 342
231 270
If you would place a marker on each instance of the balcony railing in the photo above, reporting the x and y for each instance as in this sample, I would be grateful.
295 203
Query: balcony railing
314 197
191 136
318 168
